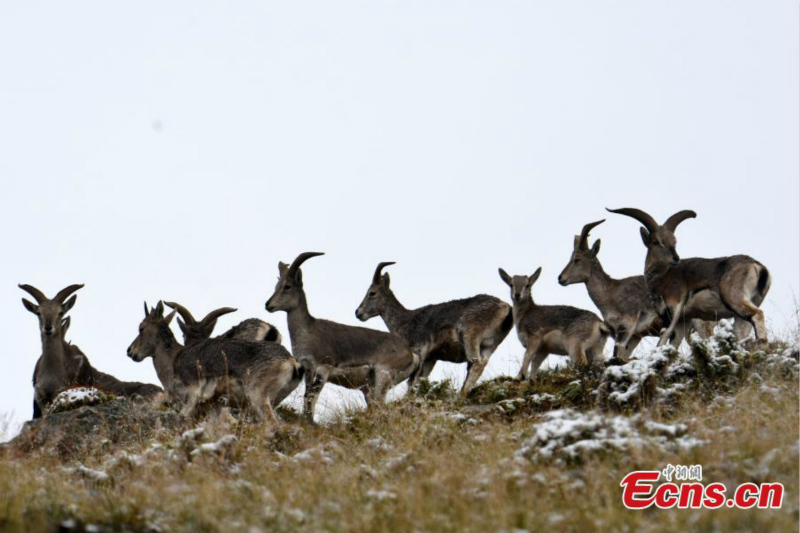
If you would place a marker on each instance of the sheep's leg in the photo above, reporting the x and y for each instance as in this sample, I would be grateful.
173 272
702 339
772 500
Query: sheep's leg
677 316
755 316
595 354
540 356
595 351
625 351
632 344
379 388
623 348
427 368
291 381
424 368
530 351
741 328
679 334
744 301
367 395
704 328
193 393
261 403
270 414
314 382
620 344
255 400
475 364
578 355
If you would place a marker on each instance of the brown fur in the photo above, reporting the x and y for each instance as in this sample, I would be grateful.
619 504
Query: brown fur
740 282
369 360
255 374
553 329
468 330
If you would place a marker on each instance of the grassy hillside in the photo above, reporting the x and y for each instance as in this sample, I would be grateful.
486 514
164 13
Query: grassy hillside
510 457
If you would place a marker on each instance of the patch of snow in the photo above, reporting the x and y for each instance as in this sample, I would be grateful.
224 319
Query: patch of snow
625 385
720 354
222 446
77 397
88 473
670 430
764 389
368 471
722 402
541 398
397 461
381 495
511 405
296 514
568 436
379 443
192 434
322 453
124 458
787 360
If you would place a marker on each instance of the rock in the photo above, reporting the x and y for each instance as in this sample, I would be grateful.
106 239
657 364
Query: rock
77 432
78 397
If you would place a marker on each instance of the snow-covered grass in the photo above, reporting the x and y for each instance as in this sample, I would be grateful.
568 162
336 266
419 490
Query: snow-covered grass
633 385
513 457
719 356
77 397
567 436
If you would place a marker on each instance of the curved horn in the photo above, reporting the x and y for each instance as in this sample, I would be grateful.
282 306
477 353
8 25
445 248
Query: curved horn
646 220
33 291
185 314
377 276
673 221
216 313
300 260
66 291
584 241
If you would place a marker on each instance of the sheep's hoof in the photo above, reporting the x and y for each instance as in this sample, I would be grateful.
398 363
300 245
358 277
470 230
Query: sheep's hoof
614 361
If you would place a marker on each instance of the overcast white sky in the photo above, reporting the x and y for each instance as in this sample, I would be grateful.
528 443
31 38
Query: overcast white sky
178 150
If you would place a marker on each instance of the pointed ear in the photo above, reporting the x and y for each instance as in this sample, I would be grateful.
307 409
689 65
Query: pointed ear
169 317
146 311
160 308
645 236
182 326
69 303
532 279
298 276
596 247
282 267
30 306
504 276
385 280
